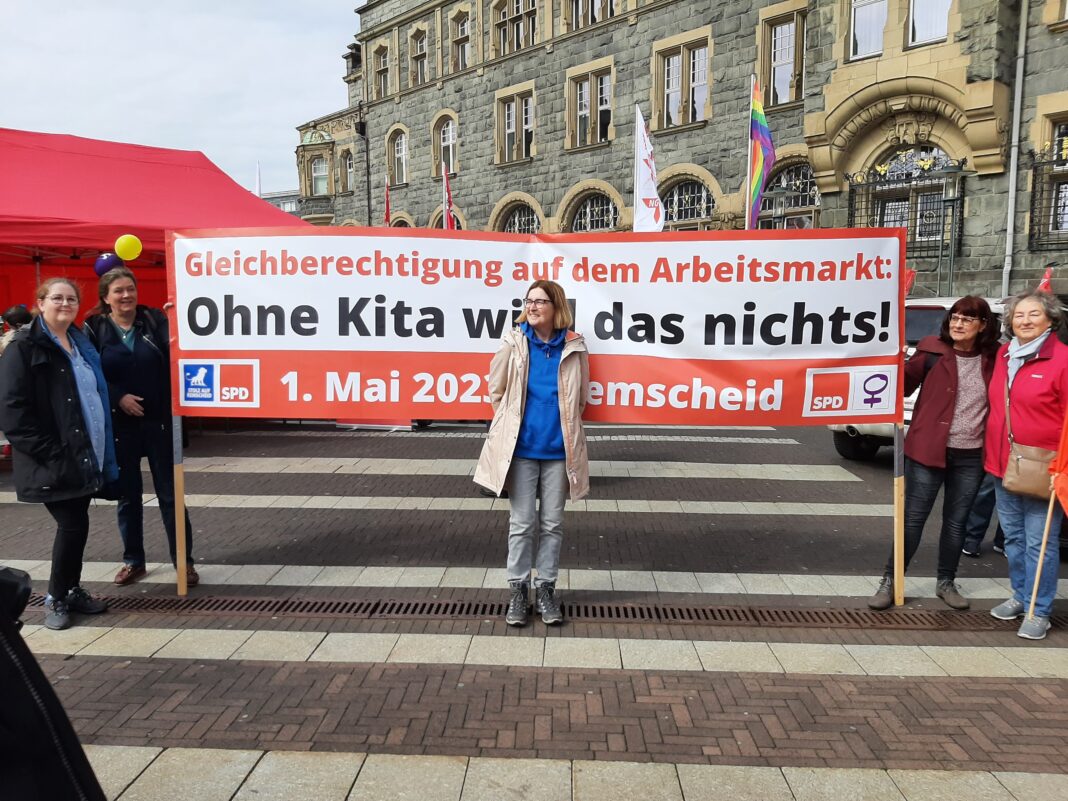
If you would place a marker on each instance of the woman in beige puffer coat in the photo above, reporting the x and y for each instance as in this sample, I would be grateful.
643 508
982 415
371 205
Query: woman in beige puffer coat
536 446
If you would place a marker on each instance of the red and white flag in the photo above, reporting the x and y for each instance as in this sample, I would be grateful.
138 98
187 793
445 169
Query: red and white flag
1044 285
910 279
648 208
446 201
387 217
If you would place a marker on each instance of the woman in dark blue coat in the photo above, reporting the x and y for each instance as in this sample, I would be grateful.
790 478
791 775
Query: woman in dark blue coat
133 345
54 411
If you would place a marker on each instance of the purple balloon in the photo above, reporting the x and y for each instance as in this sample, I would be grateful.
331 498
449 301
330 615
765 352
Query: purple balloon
107 261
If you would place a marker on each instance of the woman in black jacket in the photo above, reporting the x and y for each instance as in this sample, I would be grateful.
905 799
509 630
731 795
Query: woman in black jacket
134 350
53 410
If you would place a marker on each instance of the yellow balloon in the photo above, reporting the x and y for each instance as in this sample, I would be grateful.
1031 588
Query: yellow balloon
127 247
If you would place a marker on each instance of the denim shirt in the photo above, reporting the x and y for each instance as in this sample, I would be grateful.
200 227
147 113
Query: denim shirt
93 410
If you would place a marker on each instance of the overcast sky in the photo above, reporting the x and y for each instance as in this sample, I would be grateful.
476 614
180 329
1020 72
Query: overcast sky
232 78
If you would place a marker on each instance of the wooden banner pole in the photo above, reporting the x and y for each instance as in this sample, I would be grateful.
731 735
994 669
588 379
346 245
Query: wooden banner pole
899 514
180 533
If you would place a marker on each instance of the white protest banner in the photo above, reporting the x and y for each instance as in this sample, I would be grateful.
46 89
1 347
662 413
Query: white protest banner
712 328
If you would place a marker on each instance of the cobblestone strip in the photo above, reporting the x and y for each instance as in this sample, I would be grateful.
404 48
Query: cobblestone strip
738 719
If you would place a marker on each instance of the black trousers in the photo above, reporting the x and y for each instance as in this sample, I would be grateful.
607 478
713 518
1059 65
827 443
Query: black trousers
72 531
961 478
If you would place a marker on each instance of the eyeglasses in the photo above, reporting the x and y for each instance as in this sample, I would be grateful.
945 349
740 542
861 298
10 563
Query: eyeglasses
537 303
963 319
63 300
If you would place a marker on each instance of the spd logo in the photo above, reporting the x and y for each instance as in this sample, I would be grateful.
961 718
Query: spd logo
854 391
220 382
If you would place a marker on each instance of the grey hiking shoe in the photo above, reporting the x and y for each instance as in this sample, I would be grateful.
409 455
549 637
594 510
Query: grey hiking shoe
57 614
549 605
79 600
1009 610
884 595
1034 628
517 604
948 591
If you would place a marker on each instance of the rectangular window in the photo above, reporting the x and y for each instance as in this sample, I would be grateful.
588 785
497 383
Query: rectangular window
509 131
894 213
400 159
784 42
527 143
447 146
929 221
673 90
582 99
683 85
319 177
1059 217
382 73
868 21
587 12
516 119
418 75
928 21
698 83
604 106
461 44
1060 145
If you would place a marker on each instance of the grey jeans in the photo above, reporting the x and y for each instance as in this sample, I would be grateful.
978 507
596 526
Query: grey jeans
529 480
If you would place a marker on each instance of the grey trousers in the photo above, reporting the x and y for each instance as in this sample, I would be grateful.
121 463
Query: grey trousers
529 480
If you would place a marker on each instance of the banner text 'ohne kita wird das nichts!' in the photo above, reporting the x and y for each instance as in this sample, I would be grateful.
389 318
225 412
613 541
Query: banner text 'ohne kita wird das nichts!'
704 328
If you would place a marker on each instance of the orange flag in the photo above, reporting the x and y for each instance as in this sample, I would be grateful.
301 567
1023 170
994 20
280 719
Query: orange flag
1059 467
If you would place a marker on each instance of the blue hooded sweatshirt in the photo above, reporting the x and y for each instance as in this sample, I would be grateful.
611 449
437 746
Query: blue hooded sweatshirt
540 434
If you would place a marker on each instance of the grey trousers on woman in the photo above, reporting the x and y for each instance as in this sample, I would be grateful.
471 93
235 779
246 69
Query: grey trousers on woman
529 480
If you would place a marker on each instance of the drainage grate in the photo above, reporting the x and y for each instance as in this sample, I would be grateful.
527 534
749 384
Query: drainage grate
391 609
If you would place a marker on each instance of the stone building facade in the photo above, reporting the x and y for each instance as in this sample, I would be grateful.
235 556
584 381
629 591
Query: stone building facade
883 112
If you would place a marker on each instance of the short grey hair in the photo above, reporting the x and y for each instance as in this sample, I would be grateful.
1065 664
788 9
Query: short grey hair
1050 305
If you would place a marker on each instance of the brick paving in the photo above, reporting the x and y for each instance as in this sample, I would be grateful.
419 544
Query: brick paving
760 719
738 719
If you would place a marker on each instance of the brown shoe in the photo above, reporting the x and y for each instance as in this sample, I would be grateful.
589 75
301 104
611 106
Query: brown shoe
128 574
192 578
884 595
948 592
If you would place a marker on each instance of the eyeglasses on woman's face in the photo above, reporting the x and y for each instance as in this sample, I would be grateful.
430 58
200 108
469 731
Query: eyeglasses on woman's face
537 303
62 300
963 319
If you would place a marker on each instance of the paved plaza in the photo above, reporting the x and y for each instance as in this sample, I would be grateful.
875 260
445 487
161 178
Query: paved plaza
347 639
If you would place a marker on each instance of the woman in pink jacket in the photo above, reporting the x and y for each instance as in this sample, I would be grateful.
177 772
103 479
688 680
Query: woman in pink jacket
536 446
1034 368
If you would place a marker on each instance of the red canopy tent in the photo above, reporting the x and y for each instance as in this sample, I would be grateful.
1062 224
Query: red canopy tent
65 199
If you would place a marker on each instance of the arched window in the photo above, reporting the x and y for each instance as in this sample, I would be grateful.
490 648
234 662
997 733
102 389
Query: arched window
688 206
907 189
400 224
445 138
596 212
319 177
398 158
436 221
521 219
791 199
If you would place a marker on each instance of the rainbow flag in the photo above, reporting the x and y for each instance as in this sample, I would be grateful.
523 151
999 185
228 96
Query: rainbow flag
761 154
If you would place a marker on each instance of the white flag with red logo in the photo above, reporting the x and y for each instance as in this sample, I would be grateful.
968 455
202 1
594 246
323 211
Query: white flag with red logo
447 221
1045 285
648 209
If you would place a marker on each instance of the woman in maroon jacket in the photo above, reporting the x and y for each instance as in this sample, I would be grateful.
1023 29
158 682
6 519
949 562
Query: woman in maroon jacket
944 445
1034 367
